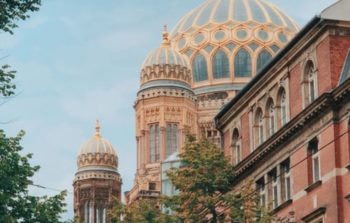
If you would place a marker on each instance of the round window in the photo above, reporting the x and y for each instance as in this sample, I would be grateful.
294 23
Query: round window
263 35
282 37
220 35
242 34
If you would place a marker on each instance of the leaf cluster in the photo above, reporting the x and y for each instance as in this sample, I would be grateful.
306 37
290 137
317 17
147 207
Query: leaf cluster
205 183
11 11
7 76
142 211
16 205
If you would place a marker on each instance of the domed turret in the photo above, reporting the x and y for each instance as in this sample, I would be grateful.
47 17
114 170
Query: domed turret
228 41
97 182
165 66
97 154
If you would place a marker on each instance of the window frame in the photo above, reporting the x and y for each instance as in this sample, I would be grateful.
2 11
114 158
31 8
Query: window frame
154 143
200 68
222 66
171 128
310 84
240 67
236 150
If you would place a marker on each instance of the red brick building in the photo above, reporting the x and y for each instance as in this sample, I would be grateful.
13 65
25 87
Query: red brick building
288 129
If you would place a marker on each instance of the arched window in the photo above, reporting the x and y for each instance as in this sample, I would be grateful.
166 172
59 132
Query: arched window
221 67
243 64
282 100
263 58
199 67
259 127
236 147
310 83
171 139
270 109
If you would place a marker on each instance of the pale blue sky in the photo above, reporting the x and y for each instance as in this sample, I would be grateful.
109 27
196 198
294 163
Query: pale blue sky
79 60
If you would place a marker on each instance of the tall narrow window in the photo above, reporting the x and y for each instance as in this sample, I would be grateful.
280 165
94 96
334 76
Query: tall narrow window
260 184
273 188
283 106
236 146
286 191
272 117
259 127
221 67
243 64
86 212
310 85
171 139
199 68
314 161
263 58
104 215
154 143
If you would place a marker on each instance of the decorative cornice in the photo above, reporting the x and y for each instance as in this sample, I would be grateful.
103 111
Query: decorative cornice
325 102
166 72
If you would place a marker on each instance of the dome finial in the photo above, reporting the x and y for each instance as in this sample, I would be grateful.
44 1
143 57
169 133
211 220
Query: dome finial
97 127
166 40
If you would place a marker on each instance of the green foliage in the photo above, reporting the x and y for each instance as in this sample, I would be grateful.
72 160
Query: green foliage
16 205
143 211
11 11
6 78
244 205
205 175
205 184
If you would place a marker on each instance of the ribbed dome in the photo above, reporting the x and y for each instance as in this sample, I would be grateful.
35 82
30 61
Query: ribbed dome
165 55
97 144
227 42
165 67
223 11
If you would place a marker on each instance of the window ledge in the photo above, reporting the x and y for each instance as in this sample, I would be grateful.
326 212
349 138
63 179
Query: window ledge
347 197
313 186
283 205
348 166
316 213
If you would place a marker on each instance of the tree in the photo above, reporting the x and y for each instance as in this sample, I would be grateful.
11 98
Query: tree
205 184
12 11
143 211
16 205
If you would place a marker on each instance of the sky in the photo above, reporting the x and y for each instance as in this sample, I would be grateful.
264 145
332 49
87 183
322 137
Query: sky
80 60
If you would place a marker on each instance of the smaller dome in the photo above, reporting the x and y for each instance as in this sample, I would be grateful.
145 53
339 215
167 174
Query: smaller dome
97 144
165 55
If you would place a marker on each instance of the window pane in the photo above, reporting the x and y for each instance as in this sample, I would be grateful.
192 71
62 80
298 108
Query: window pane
171 139
200 69
316 169
221 67
288 189
243 64
263 58
154 143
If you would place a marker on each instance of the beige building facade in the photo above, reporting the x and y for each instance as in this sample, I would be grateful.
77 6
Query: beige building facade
212 53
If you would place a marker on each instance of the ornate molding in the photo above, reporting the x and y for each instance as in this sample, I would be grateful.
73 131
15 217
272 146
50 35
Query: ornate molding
166 71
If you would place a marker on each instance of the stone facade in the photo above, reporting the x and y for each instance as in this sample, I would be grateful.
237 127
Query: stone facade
97 181
298 151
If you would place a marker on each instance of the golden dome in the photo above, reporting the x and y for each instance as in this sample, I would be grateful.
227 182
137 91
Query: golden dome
228 41
97 151
165 54
165 67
